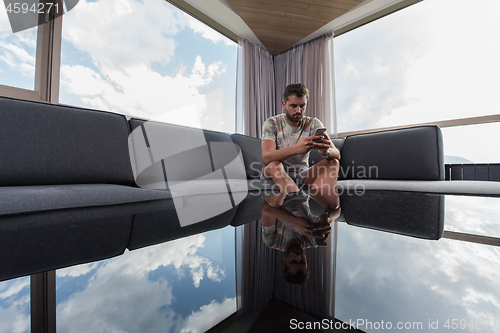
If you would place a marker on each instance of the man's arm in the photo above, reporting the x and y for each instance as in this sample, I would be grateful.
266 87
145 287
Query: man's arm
305 227
270 153
329 147
267 219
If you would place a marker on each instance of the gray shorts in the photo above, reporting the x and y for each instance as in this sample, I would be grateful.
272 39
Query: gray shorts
298 178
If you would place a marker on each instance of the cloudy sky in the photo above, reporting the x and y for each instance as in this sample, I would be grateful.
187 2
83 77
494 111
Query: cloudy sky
186 285
435 60
383 276
147 58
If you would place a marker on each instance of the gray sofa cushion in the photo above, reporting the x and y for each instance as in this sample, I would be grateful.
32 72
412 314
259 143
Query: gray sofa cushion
29 199
405 154
45 144
188 153
191 163
252 154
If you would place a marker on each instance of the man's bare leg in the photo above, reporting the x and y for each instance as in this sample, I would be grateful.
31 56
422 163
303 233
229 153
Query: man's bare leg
323 175
285 184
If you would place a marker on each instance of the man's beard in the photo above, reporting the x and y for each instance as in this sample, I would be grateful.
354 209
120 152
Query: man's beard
297 117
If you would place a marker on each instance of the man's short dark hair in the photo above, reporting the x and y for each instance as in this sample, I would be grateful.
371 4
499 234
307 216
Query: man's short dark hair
297 89
298 278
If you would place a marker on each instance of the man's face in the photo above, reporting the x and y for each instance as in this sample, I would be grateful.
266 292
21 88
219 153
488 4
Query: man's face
295 107
295 259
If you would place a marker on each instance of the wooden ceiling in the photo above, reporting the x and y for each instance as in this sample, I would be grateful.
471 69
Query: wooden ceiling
279 24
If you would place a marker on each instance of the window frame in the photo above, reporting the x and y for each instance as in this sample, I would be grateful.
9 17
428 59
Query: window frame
47 65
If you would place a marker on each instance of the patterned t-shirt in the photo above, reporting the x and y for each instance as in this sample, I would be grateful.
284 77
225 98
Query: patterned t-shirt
279 234
278 130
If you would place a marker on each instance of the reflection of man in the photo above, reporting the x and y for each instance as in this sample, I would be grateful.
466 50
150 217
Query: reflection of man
287 140
291 228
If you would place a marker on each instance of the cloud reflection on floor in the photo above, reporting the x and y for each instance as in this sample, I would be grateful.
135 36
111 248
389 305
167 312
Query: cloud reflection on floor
118 295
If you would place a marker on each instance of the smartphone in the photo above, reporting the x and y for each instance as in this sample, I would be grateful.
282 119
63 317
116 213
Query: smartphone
320 131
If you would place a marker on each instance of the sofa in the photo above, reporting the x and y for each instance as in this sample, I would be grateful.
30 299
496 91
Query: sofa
78 169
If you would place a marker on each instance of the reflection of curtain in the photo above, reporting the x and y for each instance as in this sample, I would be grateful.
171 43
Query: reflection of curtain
258 86
259 275
317 296
254 269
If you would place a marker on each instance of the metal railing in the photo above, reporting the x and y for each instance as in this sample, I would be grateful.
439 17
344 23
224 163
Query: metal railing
485 172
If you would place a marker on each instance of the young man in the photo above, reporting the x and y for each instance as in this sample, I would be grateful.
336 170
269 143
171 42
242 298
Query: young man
287 140
293 227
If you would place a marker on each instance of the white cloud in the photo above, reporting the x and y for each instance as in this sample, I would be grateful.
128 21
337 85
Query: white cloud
119 34
15 317
474 215
75 271
138 90
411 279
206 31
124 40
120 297
208 316
14 320
17 52
7 289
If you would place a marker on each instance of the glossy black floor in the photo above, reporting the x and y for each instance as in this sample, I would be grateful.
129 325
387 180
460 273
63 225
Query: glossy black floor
391 261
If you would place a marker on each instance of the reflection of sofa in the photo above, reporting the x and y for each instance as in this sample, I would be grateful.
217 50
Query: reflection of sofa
413 214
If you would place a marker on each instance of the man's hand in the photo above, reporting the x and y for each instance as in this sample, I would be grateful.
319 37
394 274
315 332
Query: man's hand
324 144
311 230
306 144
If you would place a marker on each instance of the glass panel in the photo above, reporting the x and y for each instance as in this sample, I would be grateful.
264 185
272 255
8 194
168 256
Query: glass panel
15 315
17 55
186 285
472 143
444 65
148 59
392 282
472 215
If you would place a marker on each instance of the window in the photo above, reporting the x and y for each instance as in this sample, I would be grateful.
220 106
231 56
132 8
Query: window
15 305
17 55
148 59
472 144
436 60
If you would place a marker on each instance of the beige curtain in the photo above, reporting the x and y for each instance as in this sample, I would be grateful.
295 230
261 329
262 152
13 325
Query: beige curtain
257 76
263 79
318 76
254 269
287 69
317 296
